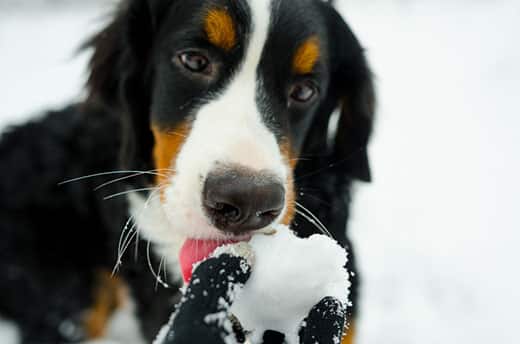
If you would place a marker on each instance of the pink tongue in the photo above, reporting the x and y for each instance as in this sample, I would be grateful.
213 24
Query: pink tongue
193 251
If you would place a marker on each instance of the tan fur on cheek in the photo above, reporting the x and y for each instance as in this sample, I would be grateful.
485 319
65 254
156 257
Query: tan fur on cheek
168 144
306 56
290 197
220 29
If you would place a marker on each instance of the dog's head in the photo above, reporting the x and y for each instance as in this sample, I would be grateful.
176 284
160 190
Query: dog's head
222 98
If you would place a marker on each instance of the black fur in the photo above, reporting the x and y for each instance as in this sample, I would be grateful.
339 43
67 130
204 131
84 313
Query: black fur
55 238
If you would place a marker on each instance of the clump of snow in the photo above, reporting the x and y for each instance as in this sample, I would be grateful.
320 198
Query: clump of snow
290 275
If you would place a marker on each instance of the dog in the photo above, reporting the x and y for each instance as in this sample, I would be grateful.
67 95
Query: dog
207 119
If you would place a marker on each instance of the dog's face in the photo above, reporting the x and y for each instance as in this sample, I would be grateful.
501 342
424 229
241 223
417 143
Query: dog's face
222 98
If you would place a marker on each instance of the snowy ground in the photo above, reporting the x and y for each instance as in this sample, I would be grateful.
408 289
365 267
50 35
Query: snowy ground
437 232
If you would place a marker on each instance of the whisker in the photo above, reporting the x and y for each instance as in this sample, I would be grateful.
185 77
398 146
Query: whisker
132 232
314 219
331 165
122 193
125 228
161 262
165 274
97 175
322 201
128 241
158 278
310 220
136 250
151 172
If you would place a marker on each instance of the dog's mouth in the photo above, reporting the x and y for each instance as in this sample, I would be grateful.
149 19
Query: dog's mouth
196 250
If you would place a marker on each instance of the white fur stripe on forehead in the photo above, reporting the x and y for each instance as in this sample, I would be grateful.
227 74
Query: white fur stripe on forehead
260 21
234 118
232 124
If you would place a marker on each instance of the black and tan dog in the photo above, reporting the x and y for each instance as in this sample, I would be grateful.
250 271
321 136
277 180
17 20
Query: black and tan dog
220 113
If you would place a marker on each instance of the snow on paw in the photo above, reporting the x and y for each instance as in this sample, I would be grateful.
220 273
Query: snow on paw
241 249
216 281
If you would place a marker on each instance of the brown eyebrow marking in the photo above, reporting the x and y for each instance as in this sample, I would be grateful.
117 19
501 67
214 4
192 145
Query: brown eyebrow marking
306 56
220 29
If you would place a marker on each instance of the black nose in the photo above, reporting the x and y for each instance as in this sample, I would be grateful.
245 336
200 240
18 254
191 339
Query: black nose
239 200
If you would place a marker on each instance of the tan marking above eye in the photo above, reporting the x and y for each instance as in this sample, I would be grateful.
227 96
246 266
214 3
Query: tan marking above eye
168 144
220 29
306 56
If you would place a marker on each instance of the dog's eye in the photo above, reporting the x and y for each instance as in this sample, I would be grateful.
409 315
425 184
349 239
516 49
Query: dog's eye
194 61
303 92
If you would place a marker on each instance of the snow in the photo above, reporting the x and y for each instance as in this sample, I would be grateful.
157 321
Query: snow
40 66
289 276
9 333
436 234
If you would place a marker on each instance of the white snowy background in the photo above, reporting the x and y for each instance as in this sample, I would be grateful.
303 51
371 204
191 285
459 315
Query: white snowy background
437 232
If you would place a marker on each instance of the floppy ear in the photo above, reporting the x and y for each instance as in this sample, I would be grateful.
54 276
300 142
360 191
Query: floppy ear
120 73
354 127
118 50
352 85
344 138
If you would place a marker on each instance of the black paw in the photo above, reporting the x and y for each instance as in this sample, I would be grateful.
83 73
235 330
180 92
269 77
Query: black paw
325 323
203 313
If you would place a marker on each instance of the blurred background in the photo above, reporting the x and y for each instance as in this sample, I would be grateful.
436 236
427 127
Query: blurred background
437 232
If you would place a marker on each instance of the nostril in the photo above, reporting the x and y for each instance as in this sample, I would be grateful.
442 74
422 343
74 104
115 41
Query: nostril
223 211
230 212
269 214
